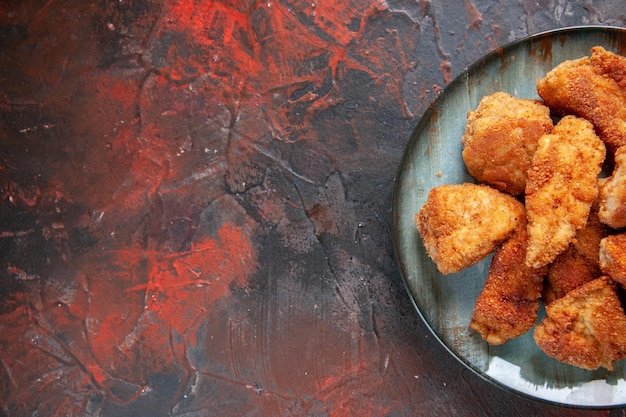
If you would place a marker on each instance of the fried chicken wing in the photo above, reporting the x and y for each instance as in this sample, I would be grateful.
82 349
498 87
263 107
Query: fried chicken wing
578 264
586 327
613 257
461 224
612 193
562 185
589 88
500 139
508 304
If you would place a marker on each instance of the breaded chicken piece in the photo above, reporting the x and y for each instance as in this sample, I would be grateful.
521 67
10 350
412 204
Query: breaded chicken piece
578 264
500 139
610 64
588 90
613 257
586 327
461 224
508 304
612 193
562 185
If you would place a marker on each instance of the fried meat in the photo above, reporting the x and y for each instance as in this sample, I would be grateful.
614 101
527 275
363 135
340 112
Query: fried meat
500 139
542 210
612 193
610 64
591 88
586 327
461 224
613 257
508 304
578 264
562 185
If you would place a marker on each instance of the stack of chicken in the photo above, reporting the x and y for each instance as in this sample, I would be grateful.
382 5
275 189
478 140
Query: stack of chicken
554 223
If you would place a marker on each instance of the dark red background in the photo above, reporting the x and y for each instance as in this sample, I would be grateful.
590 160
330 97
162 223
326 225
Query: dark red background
196 204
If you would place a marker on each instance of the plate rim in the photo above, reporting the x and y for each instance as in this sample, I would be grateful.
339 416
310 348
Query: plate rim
422 122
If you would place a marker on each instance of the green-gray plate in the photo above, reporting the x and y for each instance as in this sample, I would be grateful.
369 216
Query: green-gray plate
432 158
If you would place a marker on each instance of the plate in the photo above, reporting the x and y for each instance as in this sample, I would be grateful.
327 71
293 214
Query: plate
432 158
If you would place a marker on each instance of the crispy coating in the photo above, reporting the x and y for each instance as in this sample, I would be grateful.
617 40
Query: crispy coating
586 327
590 89
500 139
508 304
461 224
562 185
610 64
578 264
612 193
613 257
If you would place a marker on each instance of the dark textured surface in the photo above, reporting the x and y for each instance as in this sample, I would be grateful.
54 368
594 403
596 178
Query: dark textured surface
196 204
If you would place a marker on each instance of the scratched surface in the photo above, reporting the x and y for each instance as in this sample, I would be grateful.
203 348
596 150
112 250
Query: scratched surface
196 204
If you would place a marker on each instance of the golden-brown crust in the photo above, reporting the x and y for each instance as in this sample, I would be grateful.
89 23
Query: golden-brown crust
581 88
508 304
613 257
561 187
578 264
463 223
586 327
609 64
612 193
500 139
